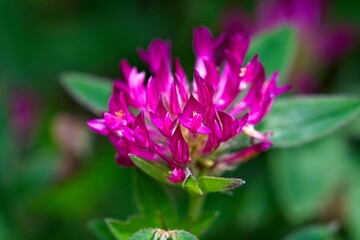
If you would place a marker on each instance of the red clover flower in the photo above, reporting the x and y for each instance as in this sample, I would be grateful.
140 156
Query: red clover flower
187 125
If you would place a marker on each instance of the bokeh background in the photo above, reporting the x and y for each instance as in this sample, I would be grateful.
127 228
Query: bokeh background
55 175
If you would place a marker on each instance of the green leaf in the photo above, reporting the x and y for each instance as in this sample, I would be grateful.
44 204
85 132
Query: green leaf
255 207
144 234
100 229
6 232
315 232
122 230
276 49
182 235
154 202
352 200
191 185
37 171
160 173
69 195
218 184
91 91
154 170
306 179
202 223
296 121
158 234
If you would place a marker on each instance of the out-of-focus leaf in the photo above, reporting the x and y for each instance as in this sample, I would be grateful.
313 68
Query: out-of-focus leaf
8 151
296 121
91 91
156 171
191 185
5 232
153 201
100 229
122 230
183 235
352 200
144 234
91 183
218 184
276 50
255 207
315 232
203 222
306 178
37 171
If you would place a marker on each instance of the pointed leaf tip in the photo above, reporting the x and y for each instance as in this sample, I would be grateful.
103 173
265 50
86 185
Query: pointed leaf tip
218 184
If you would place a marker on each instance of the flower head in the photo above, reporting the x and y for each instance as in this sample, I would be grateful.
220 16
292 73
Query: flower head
186 125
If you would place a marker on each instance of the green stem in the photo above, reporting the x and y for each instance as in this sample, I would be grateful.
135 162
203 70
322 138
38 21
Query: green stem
195 206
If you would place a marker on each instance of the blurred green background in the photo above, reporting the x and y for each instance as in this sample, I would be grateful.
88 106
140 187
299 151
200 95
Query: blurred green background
55 175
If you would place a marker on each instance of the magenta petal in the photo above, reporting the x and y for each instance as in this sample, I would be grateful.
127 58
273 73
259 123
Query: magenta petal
230 126
178 175
162 119
125 68
233 63
217 129
243 120
182 81
163 78
178 147
227 123
214 138
212 75
160 150
248 152
205 90
123 159
118 107
98 126
152 94
255 93
136 91
136 79
161 111
204 43
185 121
157 121
238 46
261 107
251 71
127 133
203 129
122 151
193 117
174 101
158 53
113 122
194 124
141 134
193 106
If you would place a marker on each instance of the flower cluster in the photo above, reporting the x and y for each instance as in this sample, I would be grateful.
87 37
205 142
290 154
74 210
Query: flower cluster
187 125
